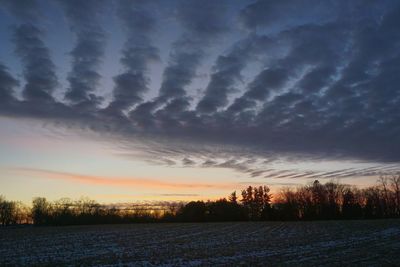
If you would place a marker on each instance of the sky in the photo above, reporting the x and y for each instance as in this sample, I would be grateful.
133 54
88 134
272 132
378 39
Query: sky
125 101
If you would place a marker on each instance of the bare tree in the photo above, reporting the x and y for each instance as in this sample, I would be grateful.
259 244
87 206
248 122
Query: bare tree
232 197
395 186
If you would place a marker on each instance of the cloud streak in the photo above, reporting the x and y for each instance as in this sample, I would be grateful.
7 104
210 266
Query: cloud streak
116 181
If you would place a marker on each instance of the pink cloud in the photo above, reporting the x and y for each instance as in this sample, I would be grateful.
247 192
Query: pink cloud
117 181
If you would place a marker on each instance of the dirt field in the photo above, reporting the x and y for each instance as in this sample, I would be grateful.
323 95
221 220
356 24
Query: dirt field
217 244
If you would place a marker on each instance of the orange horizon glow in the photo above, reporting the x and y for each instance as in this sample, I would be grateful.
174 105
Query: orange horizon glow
117 181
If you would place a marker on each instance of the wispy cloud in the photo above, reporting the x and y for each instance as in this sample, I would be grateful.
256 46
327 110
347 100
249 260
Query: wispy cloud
116 181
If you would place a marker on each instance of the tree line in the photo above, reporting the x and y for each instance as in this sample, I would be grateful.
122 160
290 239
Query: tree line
315 201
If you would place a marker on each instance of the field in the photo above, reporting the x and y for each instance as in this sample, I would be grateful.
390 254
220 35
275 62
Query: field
195 244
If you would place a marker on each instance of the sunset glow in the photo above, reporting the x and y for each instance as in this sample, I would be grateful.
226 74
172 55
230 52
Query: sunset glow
181 100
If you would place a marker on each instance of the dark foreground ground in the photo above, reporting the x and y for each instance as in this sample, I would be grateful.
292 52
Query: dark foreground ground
339 243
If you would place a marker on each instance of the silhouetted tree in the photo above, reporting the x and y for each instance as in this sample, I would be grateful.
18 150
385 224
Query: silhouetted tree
287 205
319 198
194 211
351 207
21 214
395 186
314 201
233 198
385 196
7 212
256 201
334 193
40 211
223 210
307 210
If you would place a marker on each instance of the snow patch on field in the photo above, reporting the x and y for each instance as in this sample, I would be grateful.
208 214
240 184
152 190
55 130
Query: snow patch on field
355 242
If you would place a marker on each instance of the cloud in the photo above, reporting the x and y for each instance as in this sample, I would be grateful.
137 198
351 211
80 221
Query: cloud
227 71
188 162
337 174
138 22
202 22
300 80
38 68
7 85
287 14
116 181
84 20
179 195
266 82
25 10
